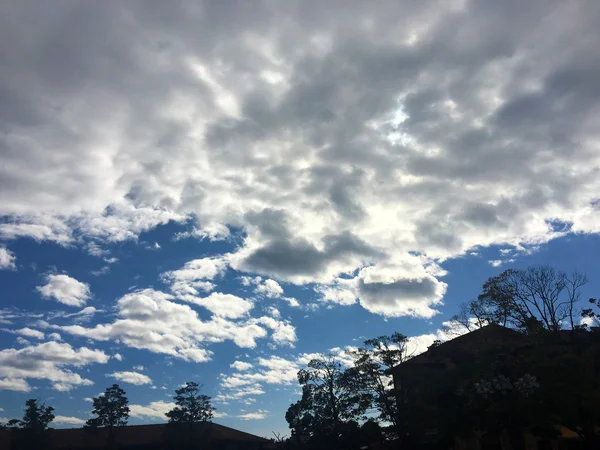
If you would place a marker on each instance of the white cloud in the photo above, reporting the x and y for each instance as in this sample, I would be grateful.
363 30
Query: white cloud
257 415
139 368
241 365
131 377
193 276
118 357
156 409
14 384
22 341
68 420
292 302
269 288
150 320
49 361
223 305
284 333
327 155
54 337
66 290
28 332
7 259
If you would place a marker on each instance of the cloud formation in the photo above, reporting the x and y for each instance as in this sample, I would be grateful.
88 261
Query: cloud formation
149 319
336 136
66 290
47 361
7 259
131 377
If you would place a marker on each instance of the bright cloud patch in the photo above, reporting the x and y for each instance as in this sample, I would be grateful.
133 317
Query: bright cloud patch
7 259
131 377
66 290
240 365
156 409
150 320
66 420
256 415
30 333
224 305
48 361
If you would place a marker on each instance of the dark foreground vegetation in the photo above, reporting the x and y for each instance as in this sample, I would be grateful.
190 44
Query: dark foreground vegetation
520 371
524 376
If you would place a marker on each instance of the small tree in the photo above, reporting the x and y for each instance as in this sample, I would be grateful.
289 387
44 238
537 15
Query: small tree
33 426
36 417
111 410
192 409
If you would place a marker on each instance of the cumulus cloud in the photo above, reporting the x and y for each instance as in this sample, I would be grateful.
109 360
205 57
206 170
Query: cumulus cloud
156 409
48 361
224 305
257 415
14 384
331 152
30 333
7 259
270 288
131 377
149 319
66 290
67 420
186 282
241 365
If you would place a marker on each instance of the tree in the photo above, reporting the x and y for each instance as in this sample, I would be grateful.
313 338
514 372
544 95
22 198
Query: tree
372 378
192 407
33 426
111 410
590 314
36 417
330 401
535 299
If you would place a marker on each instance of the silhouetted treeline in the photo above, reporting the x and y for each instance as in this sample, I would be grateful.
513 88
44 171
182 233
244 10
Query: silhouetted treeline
111 411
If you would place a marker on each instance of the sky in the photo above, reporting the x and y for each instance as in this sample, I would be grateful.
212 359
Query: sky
217 191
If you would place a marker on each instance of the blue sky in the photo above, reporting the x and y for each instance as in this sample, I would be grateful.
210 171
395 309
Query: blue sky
219 191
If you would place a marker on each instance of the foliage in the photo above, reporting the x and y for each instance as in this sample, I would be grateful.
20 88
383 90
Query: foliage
36 417
592 315
372 379
33 426
330 402
533 300
111 409
192 407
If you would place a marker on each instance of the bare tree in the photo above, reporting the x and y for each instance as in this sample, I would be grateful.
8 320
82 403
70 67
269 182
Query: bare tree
538 297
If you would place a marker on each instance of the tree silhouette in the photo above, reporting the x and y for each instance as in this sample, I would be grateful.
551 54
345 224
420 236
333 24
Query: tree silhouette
193 408
111 411
371 376
532 300
33 425
330 401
